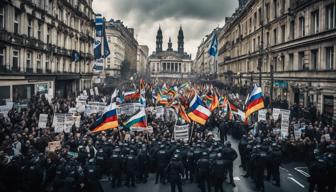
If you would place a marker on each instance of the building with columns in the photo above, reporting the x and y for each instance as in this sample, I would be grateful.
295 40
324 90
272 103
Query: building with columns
170 64
37 40
289 44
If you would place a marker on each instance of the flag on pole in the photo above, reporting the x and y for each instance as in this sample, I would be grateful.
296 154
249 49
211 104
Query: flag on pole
137 120
198 112
214 45
255 101
108 120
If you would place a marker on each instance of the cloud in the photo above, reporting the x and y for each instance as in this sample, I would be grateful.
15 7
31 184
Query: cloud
197 17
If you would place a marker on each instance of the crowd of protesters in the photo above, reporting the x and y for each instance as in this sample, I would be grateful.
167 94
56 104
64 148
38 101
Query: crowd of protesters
127 158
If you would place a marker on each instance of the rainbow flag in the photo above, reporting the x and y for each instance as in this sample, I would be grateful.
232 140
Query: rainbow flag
137 120
198 112
254 102
108 120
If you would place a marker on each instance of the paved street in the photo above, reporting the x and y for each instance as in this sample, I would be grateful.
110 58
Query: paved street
291 180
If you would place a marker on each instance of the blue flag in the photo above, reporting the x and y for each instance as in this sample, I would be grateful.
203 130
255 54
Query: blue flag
214 46
75 56
106 47
99 35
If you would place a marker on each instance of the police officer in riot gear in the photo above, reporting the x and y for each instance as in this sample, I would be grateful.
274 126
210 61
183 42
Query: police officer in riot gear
162 158
218 169
174 172
203 169
230 154
131 166
116 167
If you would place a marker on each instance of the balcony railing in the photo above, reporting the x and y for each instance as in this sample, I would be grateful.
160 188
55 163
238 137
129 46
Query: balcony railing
39 70
15 68
29 70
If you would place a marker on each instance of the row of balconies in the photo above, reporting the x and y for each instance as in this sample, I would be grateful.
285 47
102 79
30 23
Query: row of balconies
22 40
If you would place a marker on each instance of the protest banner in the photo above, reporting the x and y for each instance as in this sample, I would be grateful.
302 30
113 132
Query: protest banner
262 115
276 113
284 122
181 132
96 90
77 120
128 108
43 119
159 112
69 121
297 131
91 92
170 115
94 107
5 108
58 122
327 137
85 93
53 146
73 110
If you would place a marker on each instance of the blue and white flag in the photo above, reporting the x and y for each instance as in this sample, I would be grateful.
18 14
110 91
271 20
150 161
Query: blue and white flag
106 47
214 46
99 35
75 56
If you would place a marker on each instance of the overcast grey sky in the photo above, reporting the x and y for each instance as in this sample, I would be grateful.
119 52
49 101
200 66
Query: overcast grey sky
197 17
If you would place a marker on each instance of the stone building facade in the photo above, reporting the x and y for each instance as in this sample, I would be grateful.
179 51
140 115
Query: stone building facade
289 44
170 64
142 60
37 40
123 47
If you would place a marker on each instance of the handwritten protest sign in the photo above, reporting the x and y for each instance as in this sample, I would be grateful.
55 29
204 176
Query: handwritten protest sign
262 115
43 119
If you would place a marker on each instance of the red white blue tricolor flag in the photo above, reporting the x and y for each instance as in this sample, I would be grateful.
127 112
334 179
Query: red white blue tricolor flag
197 110
255 101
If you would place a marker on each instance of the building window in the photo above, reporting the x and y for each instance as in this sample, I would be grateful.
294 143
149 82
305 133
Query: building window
2 58
283 6
290 61
275 36
28 62
30 27
267 39
315 22
301 61
48 35
39 31
292 30
283 33
47 66
330 16
275 8
314 57
16 21
38 62
254 45
330 58
2 17
164 67
15 59
267 9
302 26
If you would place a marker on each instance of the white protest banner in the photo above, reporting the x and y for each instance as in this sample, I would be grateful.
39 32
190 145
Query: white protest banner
43 119
85 93
53 146
58 122
181 132
91 92
170 114
69 121
262 115
96 90
5 108
94 107
77 120
159 112
73 110
129 108
297 130
284 122
276 113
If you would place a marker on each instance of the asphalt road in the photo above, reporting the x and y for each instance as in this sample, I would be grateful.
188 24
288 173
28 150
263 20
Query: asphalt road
293 178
